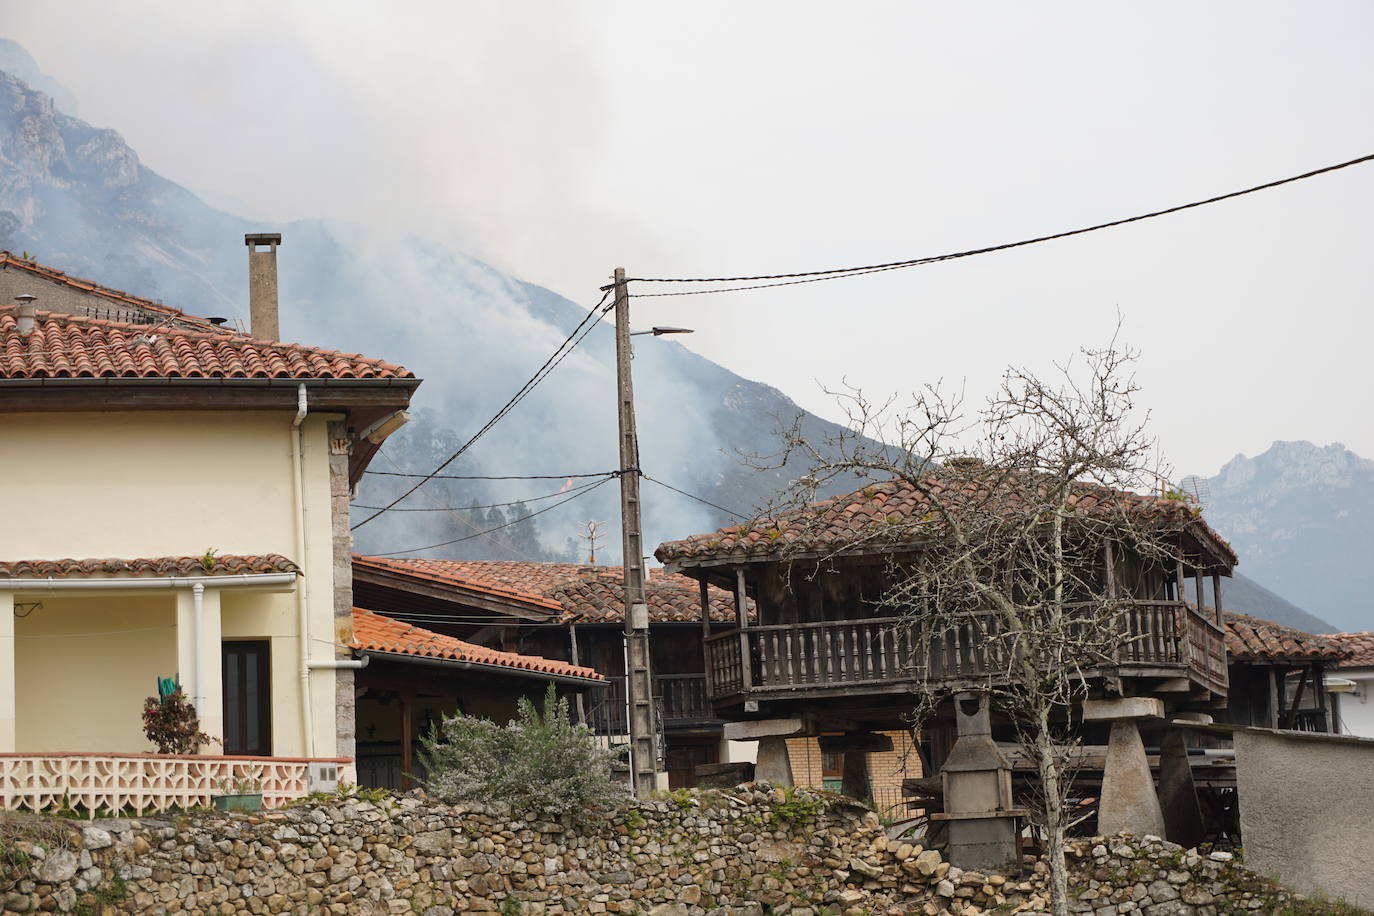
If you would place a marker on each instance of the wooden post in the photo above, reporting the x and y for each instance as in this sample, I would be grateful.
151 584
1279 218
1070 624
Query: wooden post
1216 598
1180 593
1292 719
746 660
1273 696
1319 685
407 739
578 705
1109 563
1197 585
704 588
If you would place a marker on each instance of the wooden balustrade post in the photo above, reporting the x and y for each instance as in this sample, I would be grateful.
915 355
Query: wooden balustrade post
1216 598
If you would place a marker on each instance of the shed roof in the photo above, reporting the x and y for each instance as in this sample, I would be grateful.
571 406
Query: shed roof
894 514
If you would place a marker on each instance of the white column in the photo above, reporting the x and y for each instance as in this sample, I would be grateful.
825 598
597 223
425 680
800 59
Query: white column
200 667
7 686
211 667
186 642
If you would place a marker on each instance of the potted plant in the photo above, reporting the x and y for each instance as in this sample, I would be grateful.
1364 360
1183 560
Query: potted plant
241 794
170 721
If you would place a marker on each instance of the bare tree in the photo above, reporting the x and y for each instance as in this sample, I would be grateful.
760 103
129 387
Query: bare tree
1019 511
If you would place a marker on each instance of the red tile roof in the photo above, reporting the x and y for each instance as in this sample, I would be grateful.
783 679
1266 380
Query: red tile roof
594 594
374 633
123 306
220 565
1252 639
1360 646
66 346
445 572
894 514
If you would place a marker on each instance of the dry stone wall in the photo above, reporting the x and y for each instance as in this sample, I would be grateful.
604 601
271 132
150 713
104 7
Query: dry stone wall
739 852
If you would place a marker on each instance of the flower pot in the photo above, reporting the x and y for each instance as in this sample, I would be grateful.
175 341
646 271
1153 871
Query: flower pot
251 802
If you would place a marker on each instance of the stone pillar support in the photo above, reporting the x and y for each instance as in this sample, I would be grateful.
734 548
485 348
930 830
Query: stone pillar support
1177 792
773 764
1129 801
856 748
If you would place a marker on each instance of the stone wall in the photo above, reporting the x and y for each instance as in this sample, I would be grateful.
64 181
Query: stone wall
739 852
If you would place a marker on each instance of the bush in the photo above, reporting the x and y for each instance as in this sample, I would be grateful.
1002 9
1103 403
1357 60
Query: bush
542 764
171 724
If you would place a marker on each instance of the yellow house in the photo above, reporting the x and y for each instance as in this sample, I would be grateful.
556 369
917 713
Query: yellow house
175 503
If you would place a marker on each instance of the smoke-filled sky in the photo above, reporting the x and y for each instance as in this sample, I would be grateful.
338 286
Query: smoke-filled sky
559 140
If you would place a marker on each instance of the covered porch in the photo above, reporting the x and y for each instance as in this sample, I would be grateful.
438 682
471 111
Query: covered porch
84 642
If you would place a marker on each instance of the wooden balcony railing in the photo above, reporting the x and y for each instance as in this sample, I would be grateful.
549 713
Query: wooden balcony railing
889 651
681 698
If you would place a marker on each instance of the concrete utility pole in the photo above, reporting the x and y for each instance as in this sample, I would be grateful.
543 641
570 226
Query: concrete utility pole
639 683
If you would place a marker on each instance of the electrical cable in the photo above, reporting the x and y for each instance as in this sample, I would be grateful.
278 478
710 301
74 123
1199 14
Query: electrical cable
567 346
815 276
478 534
705 502
487 477
530 499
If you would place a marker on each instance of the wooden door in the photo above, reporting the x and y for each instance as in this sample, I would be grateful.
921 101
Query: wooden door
247 698
683 760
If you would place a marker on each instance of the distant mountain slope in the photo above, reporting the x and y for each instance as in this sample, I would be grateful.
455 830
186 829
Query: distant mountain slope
1301 517
78 198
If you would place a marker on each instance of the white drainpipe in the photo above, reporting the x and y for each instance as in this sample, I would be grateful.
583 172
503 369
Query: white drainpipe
302 589
197 629
352 664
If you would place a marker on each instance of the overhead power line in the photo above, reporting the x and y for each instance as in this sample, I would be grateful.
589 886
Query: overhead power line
515 502
486 476
703 501
567 346
763 281
561 502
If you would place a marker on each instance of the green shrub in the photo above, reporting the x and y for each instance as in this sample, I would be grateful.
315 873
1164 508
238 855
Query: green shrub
541 763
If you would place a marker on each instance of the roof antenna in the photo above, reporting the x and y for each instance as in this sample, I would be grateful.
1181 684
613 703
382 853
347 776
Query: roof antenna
591 531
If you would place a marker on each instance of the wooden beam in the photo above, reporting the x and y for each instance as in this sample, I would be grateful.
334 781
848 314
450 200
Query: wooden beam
407 738
573 657
1292 717
1273 696
1216 598
746 661
1109 564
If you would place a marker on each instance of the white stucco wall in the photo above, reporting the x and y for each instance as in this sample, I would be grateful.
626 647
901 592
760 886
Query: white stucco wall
151 484
1356 710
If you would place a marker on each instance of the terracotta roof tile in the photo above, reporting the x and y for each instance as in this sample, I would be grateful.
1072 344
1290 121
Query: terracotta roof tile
1252 639
110 567
582 592
66 346
1360 646
373 632
446 573
893 513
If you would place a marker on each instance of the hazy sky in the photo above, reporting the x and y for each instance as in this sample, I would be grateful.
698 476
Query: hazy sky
558 141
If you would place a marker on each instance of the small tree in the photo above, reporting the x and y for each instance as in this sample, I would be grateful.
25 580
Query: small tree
541 763
1019 507
172 725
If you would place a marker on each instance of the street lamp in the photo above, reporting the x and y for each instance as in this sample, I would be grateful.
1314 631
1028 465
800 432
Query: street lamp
659 332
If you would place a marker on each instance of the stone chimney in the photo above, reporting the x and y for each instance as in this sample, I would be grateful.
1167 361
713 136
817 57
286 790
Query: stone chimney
262 284
24 317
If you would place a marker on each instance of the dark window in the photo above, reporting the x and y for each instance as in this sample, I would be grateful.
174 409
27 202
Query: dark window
247 698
